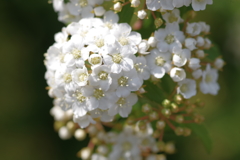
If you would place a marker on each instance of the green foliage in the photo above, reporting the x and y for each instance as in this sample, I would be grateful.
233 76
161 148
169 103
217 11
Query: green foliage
125 16
203 134
213 52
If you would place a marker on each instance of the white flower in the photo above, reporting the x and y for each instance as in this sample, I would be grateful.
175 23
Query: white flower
169 38
123 105
64 133
98 97
141 14
135 3
101 77
200 53
95 60
194 63
99 11
143 47
200 41
126 147
194 29
125 82
83 121
152 42
197 74
167 4
177 74
205 27
207 44
97 156
187 88
159 62
153 5
200 4
141 67
80 76
118 59
172 17
180 56
110 19
209 81
58 5
190 43
219 63
126 38
180 3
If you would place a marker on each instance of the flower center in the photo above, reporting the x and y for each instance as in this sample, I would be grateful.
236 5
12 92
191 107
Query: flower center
103 75
109 25
80 97
169 39
122 81
138 68
184 88
98 93
67 78
123 41
121 101
126 146
95 60
99 43
208 78
172 18
159 61
76 53
117 58
83 3
82 77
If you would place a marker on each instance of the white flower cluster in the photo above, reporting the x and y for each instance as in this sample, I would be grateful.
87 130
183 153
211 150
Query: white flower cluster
130 144
96 64
197 5
92 69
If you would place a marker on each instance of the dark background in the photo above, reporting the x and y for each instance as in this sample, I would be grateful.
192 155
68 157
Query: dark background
26 127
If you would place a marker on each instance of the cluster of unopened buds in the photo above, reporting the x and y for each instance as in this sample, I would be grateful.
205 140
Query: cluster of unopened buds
103 76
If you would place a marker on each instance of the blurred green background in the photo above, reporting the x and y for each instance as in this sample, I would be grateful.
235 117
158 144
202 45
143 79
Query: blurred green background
26 31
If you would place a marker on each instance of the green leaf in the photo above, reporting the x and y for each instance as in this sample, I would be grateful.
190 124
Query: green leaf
126 14
153 92
213 52
203 134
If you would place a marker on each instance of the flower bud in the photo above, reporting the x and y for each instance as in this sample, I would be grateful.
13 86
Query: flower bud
146 108
143 47
58 124
161 157
179 131
153 116
117 7
99 11
200 53
64 133
194 63
174 107
158 22
219 63
102 149
152 41
190 43
197 74
187 132
179 118
80 134
135 3
85 153
142 14
170 148
161 146
160 125
177 74
71 126
166 112
178 98
166 103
